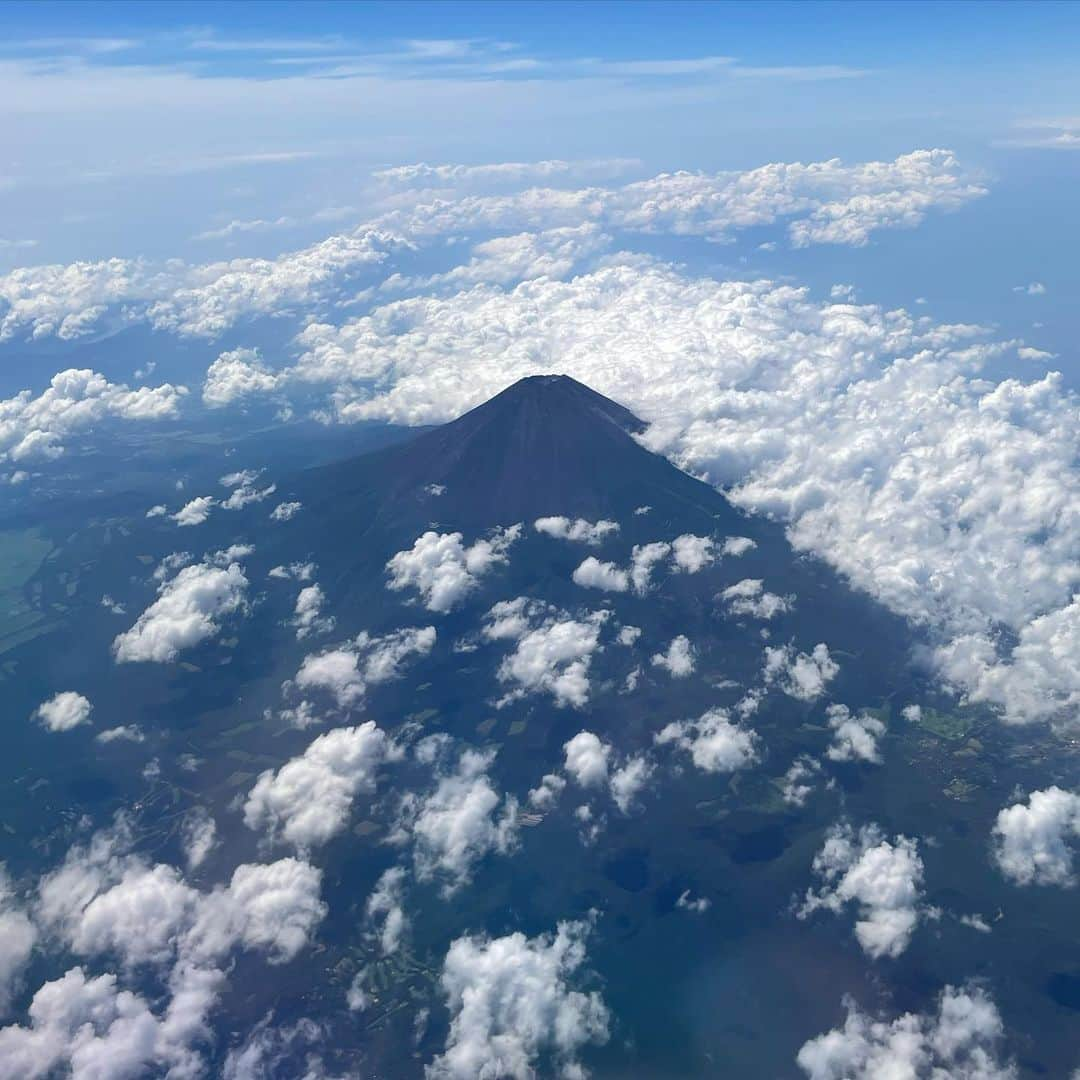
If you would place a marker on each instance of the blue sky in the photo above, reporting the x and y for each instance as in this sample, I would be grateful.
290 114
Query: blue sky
142 129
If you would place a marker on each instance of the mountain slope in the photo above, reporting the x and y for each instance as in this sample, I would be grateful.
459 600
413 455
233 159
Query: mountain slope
546 445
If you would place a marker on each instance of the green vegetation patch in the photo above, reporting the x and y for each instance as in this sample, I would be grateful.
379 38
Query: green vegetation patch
952 726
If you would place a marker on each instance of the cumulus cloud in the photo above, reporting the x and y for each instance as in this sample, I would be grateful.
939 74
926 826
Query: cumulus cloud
307 615
642 560
90 1026
18 936
199 835
847 420
513 1011
587 759
553 651
203 301
347 670
803 676
195 512
594 574
796 787
881 878
854 737
64 711
578 530
105 901
443 570
307 801
1033 842
690 553
546 794
235 376
714 743
124 732
737 546
592 763
285 511
822 202
34 429
961 1041
629 780
678 660
749 597
189 610
458 823
245 493
384 906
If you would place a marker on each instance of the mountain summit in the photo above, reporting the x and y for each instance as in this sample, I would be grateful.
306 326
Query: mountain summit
545 445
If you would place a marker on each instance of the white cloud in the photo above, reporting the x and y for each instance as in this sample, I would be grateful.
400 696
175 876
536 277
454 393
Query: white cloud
587 759
960 1042
642 559
678 661
296 571
629 780
204 301
244 495
64 711
105 901
515 173
553 651
307 616
513 1011
1033 843
691 554
714 743
1033 288
385 903
748 597
199 834
18 936
628 635
737 546
348 670
128 732
307 801
854 737
285 511
578 530
1025 352
268 1049
882 879
699 905
594 574
592 764
546 794
196 511
33 429
459 823
188 611
803 676
823 202
796 790
443 570
849 421
91 1027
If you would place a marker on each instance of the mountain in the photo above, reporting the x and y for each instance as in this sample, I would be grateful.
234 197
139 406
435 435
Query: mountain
545 445
550 446
684 852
